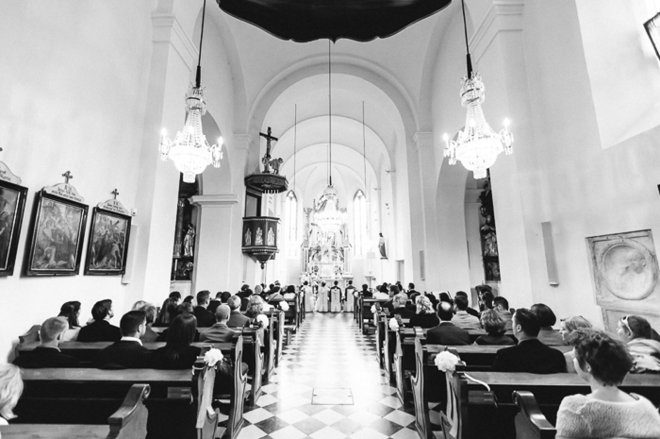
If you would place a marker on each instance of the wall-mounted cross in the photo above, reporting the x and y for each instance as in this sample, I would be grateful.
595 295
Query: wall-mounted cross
115 193
67 176
266 159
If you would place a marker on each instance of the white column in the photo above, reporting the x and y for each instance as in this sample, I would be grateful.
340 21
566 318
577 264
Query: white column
172 60
497 46
214 243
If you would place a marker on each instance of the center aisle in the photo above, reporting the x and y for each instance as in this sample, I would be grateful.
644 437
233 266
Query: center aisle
330 358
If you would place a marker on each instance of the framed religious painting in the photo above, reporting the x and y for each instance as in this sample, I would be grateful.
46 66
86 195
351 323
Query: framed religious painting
107 245
12 206
56 235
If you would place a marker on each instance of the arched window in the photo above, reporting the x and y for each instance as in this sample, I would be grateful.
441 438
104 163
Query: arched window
360 233
291 223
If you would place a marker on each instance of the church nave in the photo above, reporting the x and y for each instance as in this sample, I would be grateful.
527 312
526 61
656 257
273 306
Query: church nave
328 356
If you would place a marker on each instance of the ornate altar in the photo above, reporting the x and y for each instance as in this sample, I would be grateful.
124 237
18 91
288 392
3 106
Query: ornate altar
326 246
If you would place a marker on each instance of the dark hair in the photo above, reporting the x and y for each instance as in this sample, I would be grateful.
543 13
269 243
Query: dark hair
460 293
544 314
167 312
639 326
445 311
131 321
528 322
175 295
608 357
213 305
101 309
444 297
203 296
492 323
184 308
365 287
188 299
180 334
394 290
500 300
70 310
290 289
461 302
411 286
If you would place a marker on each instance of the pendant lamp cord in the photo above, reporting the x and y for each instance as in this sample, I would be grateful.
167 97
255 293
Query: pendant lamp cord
364 152
329 115
295 140
467 47
198 76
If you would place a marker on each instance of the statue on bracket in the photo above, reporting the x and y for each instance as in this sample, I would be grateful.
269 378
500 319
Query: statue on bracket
189 241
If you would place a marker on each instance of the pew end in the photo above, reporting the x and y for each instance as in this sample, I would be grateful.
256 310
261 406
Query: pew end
530 422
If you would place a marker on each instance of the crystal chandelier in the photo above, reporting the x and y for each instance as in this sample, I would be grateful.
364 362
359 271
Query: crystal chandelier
330 217
476 146
190 151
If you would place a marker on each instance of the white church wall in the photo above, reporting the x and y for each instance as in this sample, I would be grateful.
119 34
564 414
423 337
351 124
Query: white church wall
72 102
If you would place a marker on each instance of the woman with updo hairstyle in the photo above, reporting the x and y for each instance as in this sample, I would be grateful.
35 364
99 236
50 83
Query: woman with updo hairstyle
11 387
568 326
606 412
424 316
637 333
71 312
547 319
255 310
494 326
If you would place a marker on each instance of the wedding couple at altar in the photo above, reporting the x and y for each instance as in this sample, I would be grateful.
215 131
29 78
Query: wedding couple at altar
329 299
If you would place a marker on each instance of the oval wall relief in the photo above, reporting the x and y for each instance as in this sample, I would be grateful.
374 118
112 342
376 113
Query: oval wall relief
628 270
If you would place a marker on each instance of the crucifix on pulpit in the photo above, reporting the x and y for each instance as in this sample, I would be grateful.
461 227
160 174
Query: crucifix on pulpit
266 160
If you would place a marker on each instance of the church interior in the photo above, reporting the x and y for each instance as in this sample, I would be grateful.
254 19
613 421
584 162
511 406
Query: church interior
331 158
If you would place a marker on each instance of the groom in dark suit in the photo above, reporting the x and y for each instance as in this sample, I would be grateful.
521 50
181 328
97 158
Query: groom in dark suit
530 355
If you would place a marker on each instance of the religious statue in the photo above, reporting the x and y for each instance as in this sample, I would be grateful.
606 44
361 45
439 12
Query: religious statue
381 246
189 241
275 164
270 238
259 238
248 238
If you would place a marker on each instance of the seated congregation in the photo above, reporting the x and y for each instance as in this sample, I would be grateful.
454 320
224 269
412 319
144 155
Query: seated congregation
226 342
574 373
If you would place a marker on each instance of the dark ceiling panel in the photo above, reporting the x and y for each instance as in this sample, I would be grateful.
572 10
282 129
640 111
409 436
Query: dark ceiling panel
308 20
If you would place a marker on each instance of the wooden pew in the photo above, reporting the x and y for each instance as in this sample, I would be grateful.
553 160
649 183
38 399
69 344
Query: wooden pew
278 317
428 383
367 318
254 340
475 404
92 394
381 329
530 422
87 351
293 317
129 421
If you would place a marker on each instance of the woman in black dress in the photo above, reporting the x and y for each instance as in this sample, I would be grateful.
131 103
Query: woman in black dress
178 352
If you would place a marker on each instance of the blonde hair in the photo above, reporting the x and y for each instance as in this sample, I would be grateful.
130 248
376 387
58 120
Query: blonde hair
11 387
424 304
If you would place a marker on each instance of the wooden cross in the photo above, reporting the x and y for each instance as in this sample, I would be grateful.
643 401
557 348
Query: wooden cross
266 159
67 176
115 193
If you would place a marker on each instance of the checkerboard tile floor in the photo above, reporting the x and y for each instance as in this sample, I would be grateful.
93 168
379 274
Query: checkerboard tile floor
329 351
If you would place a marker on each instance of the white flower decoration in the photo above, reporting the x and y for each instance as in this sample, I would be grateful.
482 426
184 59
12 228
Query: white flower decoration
263 320
446 361
284 306
213 356
394 325
373 309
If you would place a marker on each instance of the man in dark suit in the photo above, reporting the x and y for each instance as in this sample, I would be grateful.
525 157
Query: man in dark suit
100 329
530 355
204 317
127 352
236 318
48 354
219 332
446 333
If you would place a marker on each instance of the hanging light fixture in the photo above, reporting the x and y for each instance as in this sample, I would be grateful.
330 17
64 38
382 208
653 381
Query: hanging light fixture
330 217
190 151
476 146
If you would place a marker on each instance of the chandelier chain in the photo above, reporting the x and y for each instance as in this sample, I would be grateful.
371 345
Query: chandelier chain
329 114
198 76
468 58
